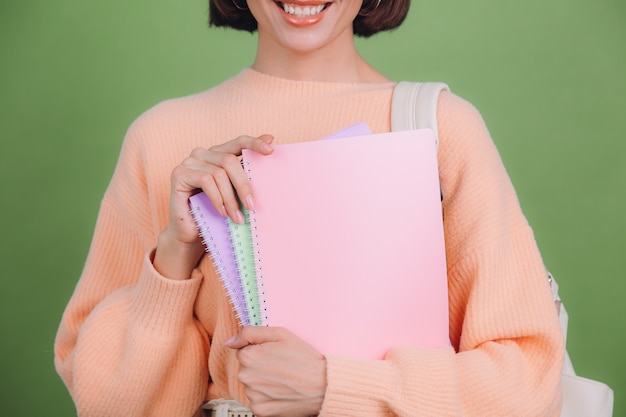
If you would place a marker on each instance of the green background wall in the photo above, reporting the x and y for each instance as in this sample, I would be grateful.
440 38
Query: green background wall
548 77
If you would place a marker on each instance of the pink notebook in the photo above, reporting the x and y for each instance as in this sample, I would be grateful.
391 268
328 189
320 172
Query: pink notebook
224 245
348 238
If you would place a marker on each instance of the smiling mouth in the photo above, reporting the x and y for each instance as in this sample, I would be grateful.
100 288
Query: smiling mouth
301 10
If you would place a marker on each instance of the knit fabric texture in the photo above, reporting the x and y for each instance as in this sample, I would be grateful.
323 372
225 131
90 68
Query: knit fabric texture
135 343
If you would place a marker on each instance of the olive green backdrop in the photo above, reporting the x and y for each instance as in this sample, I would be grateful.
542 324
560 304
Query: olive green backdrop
548 77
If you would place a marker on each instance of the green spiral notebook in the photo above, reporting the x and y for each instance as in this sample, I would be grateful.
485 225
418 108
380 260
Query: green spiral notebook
244 256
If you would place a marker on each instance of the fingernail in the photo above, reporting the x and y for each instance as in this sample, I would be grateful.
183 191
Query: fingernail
250 202
239 217
229 341
223 211
267 147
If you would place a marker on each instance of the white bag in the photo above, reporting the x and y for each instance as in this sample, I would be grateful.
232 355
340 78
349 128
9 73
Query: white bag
581 396
415 107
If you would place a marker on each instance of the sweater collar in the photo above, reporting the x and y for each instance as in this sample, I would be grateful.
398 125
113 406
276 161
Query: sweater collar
258 83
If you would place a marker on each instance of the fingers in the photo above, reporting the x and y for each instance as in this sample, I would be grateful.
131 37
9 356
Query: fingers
217 174
255 335
222 177
226 156
262 145
282 374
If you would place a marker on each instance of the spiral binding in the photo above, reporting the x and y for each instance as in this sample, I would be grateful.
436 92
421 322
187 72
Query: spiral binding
217 258
246 267
228 284
256 249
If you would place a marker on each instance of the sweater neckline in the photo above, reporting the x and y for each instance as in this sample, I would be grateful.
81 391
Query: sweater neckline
257 82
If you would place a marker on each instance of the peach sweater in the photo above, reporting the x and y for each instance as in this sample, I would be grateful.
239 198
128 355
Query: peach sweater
134 343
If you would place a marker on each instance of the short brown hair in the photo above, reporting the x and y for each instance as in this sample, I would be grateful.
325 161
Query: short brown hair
387 16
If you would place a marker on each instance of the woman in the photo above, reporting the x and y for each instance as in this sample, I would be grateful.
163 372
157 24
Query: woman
149 332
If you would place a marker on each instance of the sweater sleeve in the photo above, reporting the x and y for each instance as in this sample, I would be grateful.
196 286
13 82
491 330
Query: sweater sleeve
506 352
128 343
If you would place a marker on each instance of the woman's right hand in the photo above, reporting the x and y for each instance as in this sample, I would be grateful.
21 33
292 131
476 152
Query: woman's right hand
218 172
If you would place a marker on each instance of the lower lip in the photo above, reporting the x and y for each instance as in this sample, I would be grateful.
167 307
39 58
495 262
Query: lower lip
302 21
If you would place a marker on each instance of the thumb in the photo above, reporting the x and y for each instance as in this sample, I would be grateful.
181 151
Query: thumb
267 138
254 335
266 144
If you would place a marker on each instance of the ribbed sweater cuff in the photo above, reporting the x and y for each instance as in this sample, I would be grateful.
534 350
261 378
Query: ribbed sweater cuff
412 381
347 381
162 305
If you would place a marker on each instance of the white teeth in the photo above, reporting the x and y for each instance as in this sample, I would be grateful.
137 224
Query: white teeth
302 11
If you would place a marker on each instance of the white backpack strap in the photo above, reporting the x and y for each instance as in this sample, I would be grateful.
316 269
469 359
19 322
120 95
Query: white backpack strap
414 106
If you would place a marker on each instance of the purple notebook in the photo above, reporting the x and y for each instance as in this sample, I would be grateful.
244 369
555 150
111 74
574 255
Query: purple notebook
214 232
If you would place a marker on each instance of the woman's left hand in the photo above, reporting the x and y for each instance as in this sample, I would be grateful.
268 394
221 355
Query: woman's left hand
283 375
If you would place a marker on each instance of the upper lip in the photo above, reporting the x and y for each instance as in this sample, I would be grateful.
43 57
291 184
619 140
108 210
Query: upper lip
302 3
